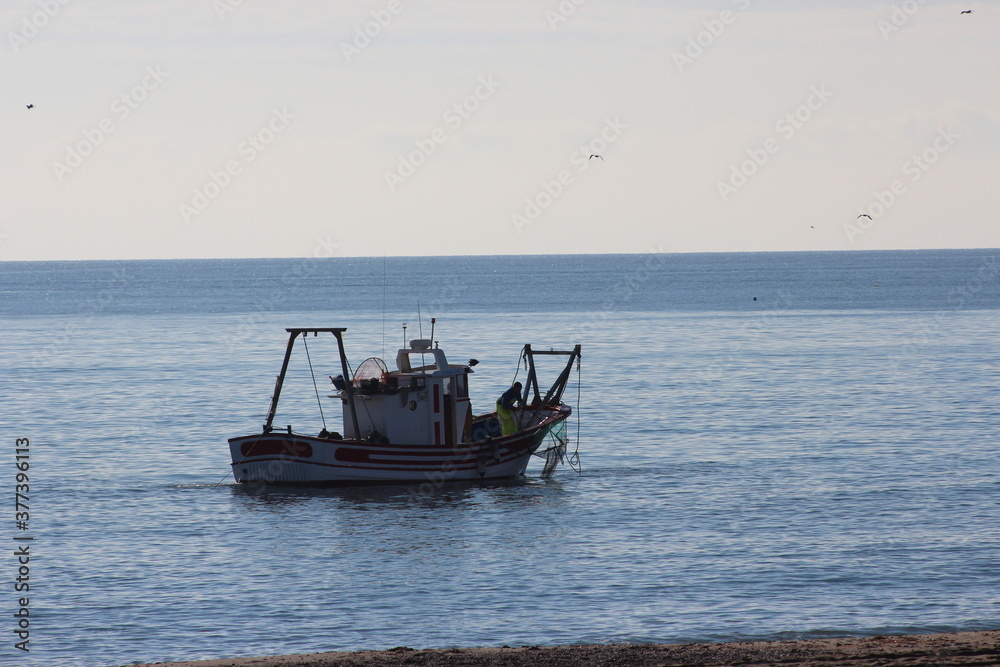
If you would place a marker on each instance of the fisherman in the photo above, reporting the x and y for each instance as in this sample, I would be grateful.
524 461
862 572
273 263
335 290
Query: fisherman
505 408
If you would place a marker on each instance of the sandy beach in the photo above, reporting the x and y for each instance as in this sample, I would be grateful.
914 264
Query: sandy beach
963 648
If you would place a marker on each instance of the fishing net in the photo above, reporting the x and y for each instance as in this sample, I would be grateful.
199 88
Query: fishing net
553 449
370 374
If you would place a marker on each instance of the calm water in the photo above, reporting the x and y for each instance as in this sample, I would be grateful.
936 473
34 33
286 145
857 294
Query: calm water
821 460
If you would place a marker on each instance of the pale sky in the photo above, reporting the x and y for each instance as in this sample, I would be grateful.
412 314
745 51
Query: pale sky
287 128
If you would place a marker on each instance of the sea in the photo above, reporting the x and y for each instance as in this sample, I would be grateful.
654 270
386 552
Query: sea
767 446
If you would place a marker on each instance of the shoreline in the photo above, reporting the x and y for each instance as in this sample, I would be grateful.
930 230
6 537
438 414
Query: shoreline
939 650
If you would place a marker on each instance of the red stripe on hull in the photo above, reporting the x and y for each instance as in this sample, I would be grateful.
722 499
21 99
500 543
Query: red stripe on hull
416 468
269 447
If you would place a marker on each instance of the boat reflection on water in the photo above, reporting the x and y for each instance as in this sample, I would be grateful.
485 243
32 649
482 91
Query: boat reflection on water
397 494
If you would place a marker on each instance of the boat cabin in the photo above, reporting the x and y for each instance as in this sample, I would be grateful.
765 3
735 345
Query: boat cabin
424 401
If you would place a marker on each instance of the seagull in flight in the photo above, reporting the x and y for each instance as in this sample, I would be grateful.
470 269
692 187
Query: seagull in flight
865 215
593 156
31 106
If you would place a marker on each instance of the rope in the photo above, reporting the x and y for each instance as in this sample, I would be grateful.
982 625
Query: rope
224 476
574 458
315 387
371 421
232 466
242 459
518 369
520 411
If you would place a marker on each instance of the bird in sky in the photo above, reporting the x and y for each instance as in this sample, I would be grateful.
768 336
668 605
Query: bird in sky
31 106
593 156
865 215
968 11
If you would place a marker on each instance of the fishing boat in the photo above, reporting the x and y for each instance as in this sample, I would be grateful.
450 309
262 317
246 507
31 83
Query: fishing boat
413 424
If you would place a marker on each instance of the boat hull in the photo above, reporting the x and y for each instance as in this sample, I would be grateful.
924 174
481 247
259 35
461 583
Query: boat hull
289 458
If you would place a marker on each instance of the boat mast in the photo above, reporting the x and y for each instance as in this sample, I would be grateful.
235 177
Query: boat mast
555 392
554 395
531 384
281 379
293 333
348 384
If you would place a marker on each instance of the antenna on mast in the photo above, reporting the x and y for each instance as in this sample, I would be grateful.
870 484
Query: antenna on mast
383 304
420 323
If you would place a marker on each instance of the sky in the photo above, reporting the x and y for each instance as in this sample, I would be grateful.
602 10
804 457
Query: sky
290 128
